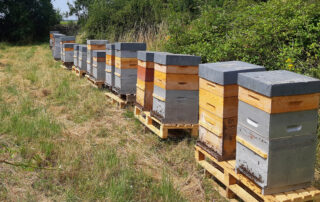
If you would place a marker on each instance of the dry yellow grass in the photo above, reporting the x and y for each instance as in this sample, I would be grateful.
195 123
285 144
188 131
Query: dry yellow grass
92 150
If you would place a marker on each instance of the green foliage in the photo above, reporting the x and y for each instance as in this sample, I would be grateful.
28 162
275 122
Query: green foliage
26 20
274 34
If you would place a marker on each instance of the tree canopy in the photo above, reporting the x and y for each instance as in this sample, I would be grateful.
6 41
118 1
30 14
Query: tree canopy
26 20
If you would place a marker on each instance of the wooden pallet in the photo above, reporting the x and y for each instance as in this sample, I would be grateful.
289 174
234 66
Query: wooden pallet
238 185
94 83
78 72
161 129
64 67
121 100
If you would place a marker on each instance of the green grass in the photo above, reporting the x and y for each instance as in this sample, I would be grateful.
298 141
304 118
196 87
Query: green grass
68 143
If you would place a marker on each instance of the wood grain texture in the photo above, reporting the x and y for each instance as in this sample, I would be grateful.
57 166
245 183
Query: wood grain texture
126 63
110 60
96 47
175 69
219 106
99 59
217 89
279 104
145 74
146 64
68 49
176 81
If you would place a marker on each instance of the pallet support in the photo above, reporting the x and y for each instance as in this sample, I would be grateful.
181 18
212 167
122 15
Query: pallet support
239 185
163 129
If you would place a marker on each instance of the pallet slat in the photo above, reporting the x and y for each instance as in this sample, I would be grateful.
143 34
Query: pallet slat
238 184
162 129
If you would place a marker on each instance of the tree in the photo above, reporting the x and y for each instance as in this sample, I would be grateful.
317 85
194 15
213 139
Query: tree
26 20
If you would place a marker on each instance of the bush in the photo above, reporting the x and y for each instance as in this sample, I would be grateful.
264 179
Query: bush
275 34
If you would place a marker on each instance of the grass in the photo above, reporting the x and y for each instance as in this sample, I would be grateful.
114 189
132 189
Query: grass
69 143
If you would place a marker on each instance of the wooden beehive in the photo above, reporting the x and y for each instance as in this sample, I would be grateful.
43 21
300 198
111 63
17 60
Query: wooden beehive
126 67
218 106
93 45
276 135
110 65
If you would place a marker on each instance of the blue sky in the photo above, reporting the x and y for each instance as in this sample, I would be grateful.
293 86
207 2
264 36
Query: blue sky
63 7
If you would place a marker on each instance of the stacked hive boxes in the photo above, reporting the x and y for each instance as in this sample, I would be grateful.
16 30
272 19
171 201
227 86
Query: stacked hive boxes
66 39
145 75
57 48
91 46
176 88
218 111
126 67
110 65
51 37
82 58
277 124
99 65
76 54
67 54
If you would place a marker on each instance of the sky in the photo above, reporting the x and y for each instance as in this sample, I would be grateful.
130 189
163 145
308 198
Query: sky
63 7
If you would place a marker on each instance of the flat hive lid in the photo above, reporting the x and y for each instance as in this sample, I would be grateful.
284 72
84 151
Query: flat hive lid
130 46
226 73
279 83
176 59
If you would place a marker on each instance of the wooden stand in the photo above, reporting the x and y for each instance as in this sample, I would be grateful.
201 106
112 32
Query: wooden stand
64 67
94 83
162 130
78 72
236 184
121 100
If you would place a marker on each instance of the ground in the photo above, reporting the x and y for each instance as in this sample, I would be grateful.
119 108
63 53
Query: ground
62 140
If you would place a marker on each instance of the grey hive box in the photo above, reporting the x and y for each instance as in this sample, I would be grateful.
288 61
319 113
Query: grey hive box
99 65
67 55
83 57
110 64
91 46
180 106
289 164
226 73
126 73
57 48
51 37
277 150
76 55
279 83
66 39
171 104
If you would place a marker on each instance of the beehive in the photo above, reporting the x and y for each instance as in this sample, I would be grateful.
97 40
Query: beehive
51 37
176 88
99 65
67 54
218 106
91 46
57 48
76 55
110 64
126 67
145 75
66 39
82 57
277 127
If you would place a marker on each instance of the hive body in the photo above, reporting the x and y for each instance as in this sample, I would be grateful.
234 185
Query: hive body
176 88
76 55
51 37
218 106
93 45
126 67
63 40
67 53
145 76
99 65
82 57
56 51
276 133
110 64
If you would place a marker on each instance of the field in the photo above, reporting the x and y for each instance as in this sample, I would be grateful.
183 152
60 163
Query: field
62 140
